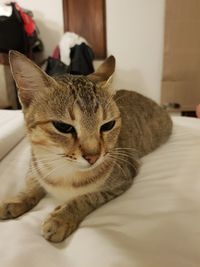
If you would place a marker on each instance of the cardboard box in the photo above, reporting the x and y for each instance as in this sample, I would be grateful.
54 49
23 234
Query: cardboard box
8 98
181 65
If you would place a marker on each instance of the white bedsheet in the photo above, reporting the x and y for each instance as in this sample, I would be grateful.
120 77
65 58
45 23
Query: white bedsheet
154 224
11 130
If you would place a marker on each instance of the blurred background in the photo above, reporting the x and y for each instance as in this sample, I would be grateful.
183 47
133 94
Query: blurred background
155 43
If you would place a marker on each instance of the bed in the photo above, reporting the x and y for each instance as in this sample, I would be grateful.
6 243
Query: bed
156 223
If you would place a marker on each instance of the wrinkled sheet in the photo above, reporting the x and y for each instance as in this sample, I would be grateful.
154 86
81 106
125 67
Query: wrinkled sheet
11 130
156 223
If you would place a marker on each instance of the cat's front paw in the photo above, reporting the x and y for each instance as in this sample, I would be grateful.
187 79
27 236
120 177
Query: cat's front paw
13 209
56 229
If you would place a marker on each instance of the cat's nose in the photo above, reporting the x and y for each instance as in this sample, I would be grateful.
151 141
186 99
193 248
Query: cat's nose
91 158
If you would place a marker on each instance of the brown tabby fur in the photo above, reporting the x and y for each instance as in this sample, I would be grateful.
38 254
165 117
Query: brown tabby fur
87 168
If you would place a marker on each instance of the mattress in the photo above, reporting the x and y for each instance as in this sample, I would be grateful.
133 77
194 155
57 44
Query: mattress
156 223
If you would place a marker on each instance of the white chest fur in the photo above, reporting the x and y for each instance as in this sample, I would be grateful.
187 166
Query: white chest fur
61 183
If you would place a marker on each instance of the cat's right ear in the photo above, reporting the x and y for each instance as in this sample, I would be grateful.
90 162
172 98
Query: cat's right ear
28 76
104 72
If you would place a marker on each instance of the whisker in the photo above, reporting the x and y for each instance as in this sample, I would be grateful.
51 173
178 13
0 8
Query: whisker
125 161
114 99
47 160
129 151
109 102
125 148
46 156
123 157
57 167
40 164
118 164
34 169
119 97
72 160
132 154
47 149
123 154
124 151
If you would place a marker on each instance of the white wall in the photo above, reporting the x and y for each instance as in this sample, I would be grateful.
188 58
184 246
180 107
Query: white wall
134 37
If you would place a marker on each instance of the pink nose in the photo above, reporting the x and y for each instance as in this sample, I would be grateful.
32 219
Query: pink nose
91 158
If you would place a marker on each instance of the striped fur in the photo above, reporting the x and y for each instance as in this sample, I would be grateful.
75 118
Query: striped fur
58 164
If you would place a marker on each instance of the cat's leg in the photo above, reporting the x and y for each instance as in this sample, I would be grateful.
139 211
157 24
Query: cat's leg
23 202
66 218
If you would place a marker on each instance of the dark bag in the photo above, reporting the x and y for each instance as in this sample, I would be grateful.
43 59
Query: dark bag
81 60
12 35
56 67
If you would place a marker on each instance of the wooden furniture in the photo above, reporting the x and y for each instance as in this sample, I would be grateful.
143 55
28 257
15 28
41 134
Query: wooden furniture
181 65
87 18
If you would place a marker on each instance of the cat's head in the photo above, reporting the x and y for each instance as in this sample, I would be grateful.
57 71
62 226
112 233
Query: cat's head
74 117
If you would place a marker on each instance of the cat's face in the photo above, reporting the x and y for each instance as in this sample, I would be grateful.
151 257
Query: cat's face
76 120
73 117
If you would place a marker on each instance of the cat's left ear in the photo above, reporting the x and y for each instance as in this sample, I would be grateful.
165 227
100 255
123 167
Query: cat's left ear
29 78
104 74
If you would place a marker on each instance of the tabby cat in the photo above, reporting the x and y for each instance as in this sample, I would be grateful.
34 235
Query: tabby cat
86 141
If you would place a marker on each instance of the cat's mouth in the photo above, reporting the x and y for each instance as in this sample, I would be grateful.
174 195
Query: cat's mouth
83 165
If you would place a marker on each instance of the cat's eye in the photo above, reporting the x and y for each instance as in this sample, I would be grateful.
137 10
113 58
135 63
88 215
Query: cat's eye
63 127
107 126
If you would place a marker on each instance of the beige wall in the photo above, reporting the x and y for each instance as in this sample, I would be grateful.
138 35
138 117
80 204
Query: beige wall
134 36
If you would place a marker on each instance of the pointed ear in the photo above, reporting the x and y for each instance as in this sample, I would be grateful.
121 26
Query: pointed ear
104 71
29 78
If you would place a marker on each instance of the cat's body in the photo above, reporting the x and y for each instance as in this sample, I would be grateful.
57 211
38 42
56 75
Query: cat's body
154 126
86 142
141 117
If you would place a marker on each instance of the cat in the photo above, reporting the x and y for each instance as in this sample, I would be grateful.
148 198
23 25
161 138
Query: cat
86 141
